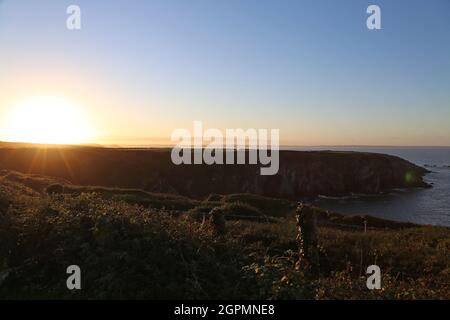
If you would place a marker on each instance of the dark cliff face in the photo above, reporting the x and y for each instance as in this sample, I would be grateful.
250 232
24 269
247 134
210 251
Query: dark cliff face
301 174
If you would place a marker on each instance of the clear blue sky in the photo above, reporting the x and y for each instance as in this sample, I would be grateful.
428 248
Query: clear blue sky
310 68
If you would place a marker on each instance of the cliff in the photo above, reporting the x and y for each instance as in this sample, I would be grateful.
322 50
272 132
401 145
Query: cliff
301 174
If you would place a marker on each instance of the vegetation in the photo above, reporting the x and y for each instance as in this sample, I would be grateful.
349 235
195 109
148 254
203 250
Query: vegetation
135 244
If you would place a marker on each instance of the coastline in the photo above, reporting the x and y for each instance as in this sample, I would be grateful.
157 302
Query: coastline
301 173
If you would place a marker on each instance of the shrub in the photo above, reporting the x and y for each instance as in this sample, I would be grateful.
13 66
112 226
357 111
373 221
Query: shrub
231 211
137 196
214 197
202 210
240 210
55 188
269 206
4 203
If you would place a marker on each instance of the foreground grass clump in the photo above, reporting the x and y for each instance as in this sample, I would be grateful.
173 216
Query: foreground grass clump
123 250
129 250
414 261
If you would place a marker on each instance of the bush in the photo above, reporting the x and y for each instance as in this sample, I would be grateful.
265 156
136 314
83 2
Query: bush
55 188
239 210
4 203
214 197
137 196
202 210
231 211
270 206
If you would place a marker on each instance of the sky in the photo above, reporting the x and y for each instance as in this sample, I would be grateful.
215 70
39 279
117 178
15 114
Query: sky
140 69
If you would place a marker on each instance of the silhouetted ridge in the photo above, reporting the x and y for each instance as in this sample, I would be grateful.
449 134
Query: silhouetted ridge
301 174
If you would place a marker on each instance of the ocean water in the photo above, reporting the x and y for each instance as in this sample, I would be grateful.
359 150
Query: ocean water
423 206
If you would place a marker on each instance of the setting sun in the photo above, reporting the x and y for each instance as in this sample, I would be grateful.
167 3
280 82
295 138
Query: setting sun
49 120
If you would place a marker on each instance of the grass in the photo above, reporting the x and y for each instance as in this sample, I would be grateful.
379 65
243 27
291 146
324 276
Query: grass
130 244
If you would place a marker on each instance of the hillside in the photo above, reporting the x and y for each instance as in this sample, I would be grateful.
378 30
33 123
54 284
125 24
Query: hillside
131 243
301 174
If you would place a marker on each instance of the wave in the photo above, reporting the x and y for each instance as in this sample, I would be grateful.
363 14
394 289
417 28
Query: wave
440 166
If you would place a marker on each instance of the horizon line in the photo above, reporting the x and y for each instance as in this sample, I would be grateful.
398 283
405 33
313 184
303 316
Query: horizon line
161 146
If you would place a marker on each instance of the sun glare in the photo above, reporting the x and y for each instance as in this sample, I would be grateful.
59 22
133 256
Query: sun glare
48 120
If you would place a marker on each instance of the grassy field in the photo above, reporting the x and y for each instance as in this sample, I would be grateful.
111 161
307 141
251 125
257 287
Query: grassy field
135 244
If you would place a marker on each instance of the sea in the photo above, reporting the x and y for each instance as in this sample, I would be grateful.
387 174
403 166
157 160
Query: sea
423 206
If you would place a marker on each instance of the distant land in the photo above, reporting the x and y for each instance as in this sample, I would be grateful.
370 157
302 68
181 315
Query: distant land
302 174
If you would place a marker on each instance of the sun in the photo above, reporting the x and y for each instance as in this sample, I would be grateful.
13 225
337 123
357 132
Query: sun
47 120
